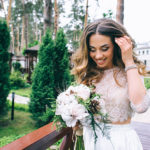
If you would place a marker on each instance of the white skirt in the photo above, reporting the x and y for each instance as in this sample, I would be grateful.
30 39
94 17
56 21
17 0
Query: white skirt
122 137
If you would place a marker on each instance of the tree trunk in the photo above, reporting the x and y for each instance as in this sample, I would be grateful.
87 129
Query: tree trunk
9 12
13 38
36 31
47 15
120 11
56 18
26 30
86 15
23 28
23 33
18 42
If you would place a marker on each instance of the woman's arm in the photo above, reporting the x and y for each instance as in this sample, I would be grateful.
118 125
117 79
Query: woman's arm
136 89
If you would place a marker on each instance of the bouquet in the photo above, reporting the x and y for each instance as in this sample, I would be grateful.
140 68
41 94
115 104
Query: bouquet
80 105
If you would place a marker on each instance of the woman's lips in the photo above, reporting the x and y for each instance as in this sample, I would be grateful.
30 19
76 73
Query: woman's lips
101 62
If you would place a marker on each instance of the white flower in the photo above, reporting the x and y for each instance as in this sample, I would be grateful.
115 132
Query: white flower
73 113
64 98
80 90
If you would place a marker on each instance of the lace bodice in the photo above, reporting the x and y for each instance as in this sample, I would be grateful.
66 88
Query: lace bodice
117 103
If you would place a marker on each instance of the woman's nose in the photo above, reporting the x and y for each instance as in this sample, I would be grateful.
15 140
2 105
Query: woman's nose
98 55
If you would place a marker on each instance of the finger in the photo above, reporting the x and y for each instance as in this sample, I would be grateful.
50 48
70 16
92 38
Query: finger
128 39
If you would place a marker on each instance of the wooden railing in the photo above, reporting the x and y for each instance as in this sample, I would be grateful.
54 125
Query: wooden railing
43 138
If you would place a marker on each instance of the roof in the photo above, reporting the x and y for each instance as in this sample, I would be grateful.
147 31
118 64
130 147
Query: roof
32 49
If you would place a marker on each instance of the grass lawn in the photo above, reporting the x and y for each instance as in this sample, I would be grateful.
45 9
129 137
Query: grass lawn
22 92
11 130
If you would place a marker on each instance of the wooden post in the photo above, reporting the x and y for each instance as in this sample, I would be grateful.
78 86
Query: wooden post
12 107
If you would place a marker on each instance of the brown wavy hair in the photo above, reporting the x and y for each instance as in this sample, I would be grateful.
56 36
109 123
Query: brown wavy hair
84 68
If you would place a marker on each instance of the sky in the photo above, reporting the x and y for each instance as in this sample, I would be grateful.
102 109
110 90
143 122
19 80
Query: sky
136 15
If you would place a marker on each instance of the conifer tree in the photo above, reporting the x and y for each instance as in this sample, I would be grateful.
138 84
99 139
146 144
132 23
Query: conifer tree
61 72
4 66
43 81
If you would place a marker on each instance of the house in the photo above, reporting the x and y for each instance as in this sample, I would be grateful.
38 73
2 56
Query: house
143 53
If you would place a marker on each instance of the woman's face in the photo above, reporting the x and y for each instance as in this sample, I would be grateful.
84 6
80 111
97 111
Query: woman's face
101 50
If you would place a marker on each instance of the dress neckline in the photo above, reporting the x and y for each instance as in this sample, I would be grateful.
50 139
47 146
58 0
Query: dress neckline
111 69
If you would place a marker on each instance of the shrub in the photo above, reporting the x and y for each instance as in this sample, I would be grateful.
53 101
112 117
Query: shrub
61 62
4 66
43 80
16 65
16 80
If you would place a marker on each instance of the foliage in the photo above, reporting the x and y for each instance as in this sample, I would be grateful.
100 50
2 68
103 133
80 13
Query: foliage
75 27
22 91
21 125
4 67
16 65
43 79
147 83
61 65
109 14
16 80
33 44
18 106
8 139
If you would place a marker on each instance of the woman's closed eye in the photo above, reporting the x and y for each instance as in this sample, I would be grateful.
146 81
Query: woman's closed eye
104 48
92 50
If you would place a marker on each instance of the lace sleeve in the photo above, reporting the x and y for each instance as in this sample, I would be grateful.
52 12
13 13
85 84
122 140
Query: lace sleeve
144 105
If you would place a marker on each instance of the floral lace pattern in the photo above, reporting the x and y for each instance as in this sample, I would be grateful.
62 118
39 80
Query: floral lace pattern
117 103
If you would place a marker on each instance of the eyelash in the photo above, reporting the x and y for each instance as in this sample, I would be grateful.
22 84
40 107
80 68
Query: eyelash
103 49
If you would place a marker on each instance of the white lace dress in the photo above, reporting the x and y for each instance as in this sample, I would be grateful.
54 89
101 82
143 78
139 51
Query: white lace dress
119 108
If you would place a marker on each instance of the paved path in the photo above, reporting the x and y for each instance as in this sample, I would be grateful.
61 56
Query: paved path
19 99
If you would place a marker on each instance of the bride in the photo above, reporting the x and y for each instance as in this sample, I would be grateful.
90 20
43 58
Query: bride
106 60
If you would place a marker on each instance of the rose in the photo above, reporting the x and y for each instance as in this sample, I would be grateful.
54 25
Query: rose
73 113
81 91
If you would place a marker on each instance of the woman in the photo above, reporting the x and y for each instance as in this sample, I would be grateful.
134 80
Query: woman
106 60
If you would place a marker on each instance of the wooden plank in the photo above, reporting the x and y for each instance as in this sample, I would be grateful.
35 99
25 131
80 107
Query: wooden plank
30 138
143 130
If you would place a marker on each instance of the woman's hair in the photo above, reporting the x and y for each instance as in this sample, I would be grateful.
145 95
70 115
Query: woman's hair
85 69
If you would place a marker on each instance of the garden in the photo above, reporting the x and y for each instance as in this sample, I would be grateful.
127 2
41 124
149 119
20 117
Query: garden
49 75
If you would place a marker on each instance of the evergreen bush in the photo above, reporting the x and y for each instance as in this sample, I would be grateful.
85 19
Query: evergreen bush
50 76
61 65
16 66
16 80
4 66
43 80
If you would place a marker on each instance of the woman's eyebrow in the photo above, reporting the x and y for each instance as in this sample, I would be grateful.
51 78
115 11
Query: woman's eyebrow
105 45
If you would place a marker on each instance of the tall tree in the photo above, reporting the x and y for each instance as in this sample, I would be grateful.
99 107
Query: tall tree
43 80
61 62
47 14
86 14
4 66
56 17
120 11
9 12
76 25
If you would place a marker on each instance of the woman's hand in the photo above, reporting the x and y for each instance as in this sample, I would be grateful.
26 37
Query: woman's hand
126 47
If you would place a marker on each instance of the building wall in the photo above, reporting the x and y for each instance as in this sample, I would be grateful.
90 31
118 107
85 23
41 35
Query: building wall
143 54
